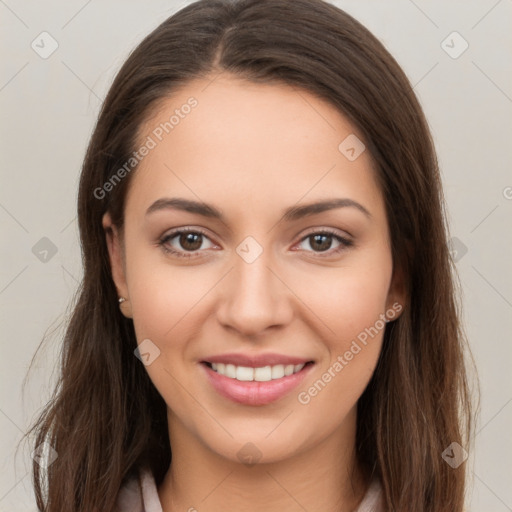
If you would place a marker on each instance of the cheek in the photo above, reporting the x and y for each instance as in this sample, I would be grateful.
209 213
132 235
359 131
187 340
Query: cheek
167 304
352 307
354 312
164 297
351 301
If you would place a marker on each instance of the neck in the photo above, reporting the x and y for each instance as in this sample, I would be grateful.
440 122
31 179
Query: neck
324 477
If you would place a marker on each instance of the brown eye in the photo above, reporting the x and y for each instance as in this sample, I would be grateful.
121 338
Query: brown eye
322 242
190 241
185 242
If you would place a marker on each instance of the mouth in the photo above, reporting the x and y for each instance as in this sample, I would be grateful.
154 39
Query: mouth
255 386
258 374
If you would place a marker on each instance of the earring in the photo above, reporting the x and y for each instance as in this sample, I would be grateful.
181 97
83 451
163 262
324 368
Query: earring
125 308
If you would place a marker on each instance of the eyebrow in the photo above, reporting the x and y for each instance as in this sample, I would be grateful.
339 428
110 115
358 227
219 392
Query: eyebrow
290 214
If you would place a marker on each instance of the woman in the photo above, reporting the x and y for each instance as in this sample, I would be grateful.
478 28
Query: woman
267 319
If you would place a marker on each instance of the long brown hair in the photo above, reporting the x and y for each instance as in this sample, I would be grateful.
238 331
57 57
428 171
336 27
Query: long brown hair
106 418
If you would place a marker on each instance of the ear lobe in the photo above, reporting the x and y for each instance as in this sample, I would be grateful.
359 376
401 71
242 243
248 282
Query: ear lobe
117 266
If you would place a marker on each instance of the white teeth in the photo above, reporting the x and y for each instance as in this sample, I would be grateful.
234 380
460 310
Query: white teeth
230 371
244 373
260 374
263 374
277 371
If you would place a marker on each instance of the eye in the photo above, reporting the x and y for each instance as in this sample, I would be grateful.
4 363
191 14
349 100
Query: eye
185 242
322 241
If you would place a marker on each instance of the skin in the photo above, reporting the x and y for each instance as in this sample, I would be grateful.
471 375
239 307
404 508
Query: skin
253 150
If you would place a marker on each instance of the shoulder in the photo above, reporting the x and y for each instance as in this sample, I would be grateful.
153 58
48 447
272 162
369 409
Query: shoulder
139 494
372 501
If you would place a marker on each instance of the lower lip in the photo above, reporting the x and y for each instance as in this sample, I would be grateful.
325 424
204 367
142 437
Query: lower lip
254 392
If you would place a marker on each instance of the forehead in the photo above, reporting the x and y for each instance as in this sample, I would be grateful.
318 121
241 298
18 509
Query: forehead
239 140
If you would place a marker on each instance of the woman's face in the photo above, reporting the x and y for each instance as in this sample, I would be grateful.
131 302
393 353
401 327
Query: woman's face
264 281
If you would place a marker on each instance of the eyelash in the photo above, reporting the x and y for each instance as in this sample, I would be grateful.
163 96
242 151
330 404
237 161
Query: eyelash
344 242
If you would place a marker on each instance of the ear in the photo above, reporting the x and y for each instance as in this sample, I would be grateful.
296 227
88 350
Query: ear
117 263
397 294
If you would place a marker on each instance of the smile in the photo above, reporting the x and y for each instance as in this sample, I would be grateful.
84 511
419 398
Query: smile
255 385
260 374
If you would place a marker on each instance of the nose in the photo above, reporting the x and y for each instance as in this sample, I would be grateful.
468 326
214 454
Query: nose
254 297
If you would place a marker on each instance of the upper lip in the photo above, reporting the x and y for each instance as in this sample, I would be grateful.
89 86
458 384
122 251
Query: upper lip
255 361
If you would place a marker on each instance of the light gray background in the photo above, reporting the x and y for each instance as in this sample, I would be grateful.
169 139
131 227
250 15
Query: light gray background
49 107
